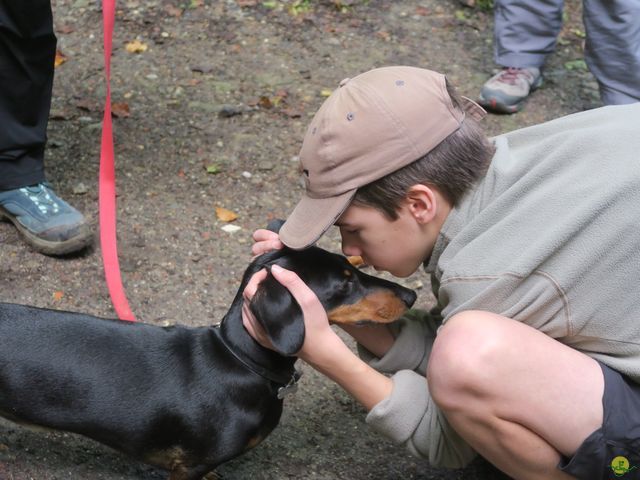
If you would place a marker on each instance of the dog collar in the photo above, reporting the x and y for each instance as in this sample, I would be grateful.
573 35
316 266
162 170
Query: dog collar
288 381
291 387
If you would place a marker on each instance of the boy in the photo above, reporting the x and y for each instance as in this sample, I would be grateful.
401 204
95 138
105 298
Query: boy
533 259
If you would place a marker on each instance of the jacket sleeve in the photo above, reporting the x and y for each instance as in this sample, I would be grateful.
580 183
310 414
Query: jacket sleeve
410 417
414 334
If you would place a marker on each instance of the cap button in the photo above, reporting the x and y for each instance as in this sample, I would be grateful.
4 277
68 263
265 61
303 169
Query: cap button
344 82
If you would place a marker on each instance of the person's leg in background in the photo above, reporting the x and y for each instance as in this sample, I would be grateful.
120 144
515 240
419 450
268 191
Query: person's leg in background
525 33
612 50
27 53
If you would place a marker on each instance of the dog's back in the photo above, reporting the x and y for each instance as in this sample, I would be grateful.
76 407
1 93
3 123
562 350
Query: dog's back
156 393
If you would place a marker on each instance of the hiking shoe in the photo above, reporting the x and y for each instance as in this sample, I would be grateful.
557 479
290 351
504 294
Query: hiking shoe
506 91
48 223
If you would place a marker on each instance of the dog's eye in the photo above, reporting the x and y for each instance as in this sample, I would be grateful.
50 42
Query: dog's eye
347 280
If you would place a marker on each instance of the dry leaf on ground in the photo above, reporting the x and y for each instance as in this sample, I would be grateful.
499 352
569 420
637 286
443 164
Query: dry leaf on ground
59 59
225 215
136 47
120 110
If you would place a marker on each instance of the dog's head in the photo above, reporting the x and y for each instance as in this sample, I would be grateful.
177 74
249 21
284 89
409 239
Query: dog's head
347 294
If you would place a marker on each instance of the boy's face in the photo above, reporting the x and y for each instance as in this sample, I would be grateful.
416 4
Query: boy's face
396 246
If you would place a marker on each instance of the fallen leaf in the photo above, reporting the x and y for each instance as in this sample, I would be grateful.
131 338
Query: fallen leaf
87 105
136 47
292 112
65 29
57 296
59 59
173 11
213 169
120 110
265 102
225 215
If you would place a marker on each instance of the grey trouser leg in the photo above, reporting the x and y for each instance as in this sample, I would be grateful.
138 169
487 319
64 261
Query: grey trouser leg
612 49
525 31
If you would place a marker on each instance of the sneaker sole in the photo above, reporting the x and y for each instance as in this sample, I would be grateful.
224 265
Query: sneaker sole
496 106
48 247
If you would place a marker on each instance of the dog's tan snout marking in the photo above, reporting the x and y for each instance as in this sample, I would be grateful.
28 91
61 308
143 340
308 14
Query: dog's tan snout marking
381 306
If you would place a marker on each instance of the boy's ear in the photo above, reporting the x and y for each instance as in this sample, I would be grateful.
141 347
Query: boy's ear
421 201
280 316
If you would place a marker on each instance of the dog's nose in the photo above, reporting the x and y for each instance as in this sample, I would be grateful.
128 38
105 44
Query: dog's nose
408 296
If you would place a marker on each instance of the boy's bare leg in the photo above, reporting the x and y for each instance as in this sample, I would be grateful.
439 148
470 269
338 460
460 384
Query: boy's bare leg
520 398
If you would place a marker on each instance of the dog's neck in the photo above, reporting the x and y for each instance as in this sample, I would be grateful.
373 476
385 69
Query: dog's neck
261 360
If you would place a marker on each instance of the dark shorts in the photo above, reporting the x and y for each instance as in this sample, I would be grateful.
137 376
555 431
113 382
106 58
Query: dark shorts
613 451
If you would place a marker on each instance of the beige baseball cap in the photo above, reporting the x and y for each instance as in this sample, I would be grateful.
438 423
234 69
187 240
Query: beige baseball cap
371 125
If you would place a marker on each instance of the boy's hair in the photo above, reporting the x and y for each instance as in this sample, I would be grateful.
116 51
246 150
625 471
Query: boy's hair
452 167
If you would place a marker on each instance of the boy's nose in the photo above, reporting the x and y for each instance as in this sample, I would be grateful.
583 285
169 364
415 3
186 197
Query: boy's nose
350 250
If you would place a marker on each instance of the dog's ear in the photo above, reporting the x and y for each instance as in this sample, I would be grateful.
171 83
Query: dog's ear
275 225
280 316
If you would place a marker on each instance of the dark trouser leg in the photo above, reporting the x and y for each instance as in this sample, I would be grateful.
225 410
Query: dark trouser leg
27 53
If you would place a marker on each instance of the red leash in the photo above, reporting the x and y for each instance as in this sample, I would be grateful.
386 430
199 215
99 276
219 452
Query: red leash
107 191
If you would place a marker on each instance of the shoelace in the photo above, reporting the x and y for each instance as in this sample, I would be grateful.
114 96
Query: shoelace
41 198
511 75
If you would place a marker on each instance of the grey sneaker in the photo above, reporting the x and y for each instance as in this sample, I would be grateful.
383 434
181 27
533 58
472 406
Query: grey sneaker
506 91
48 223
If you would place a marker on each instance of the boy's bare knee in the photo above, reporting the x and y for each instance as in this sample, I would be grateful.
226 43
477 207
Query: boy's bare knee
462 357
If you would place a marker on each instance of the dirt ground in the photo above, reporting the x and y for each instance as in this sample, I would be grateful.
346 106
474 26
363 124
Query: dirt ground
210 115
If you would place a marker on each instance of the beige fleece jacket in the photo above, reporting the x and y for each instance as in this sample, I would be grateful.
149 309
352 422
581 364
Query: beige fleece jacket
549 237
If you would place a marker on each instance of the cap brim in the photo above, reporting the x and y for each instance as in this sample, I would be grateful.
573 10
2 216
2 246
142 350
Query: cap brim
311 218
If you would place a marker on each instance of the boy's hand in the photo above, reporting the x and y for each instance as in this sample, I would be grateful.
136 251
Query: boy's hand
319 337
322 348
266 240
248 319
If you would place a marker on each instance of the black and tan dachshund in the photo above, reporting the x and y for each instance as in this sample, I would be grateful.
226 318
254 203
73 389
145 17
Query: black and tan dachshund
184 399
